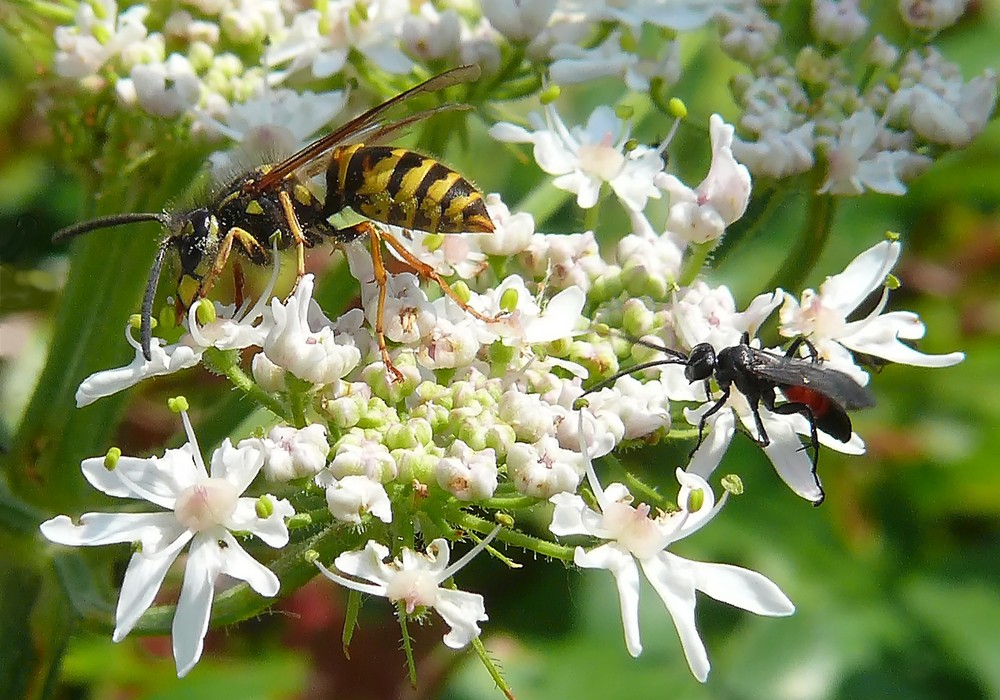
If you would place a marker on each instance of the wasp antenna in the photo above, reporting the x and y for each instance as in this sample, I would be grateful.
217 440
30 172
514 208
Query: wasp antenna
109 222
636 368
146 313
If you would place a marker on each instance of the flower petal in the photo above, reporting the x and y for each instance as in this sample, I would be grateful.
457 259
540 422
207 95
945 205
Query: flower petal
567 516
863 275
462 611
741 587
792 463
240 565
143 579
195 604
237 465
673 579
272 529
623 567
110 528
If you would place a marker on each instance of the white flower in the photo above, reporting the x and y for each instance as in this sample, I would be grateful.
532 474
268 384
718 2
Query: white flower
512 232
821 317
544 468
522 321
778 153
931 15
953 118
574 64
165 89
352 497
635 540
856 163
702 214
584 159
415 580
94 40
366 457
468 474
432 35
302 47
320 357
517 20
201 507
231 329
277 121
291 453
838 22
748 34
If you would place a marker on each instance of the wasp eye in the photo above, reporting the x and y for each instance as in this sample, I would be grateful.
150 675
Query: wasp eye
194 240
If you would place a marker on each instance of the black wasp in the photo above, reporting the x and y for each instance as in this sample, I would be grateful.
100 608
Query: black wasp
822 395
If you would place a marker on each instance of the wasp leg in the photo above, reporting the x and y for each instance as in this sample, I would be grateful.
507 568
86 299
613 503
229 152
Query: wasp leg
428 272
708 414
788 409
245 239
297 235
367 228
800 341
762 437
239 281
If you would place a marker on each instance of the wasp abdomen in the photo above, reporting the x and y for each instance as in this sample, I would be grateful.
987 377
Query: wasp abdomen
400 187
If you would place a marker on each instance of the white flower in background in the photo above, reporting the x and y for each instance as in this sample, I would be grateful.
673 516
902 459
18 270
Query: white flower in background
202 508
165 89
856 163
821 317
303 46
931 15
517 20
634 540
274 122
702 214
292 453
543 469
838 22
431 35
354 496
375 35
778 153
679 15
467 474
574 64
584 159
747 33
945 110
564 260
415 579
320 357
231 329
95 38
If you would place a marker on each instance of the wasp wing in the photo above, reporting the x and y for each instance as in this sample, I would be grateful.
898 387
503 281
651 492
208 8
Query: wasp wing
831 383
374 133
367 123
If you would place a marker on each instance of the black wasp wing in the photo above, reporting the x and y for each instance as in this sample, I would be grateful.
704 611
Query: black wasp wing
831 383
367 124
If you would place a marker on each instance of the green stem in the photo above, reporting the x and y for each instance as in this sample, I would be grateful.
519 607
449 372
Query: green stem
810 244
518 539
509 503
491 668
411 666
225 363
697 255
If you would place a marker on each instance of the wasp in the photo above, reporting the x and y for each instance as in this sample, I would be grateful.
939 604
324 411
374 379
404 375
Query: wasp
274 205
822 395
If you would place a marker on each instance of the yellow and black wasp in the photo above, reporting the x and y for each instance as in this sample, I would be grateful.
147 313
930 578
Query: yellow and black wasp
273 202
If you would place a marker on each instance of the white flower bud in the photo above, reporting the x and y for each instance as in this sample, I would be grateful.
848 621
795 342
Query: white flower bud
838 22
544 469
268 375
467 474
350 498
290 453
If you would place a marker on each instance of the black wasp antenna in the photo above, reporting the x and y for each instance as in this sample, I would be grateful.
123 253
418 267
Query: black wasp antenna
109 222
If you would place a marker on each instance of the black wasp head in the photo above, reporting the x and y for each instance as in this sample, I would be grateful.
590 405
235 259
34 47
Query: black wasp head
194 239
701 363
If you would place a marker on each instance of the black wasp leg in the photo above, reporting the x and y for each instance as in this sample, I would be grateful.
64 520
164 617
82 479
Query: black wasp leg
799 342
708 414
762 438
790 409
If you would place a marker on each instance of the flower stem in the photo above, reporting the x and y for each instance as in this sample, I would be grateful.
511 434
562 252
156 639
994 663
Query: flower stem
225 363
697 255
491 668
518 539
411 666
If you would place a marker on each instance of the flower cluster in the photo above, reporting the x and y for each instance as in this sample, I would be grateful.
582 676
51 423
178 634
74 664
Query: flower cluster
562 350
875 128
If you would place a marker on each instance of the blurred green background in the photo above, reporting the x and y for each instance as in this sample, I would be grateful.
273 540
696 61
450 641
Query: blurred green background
896 577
